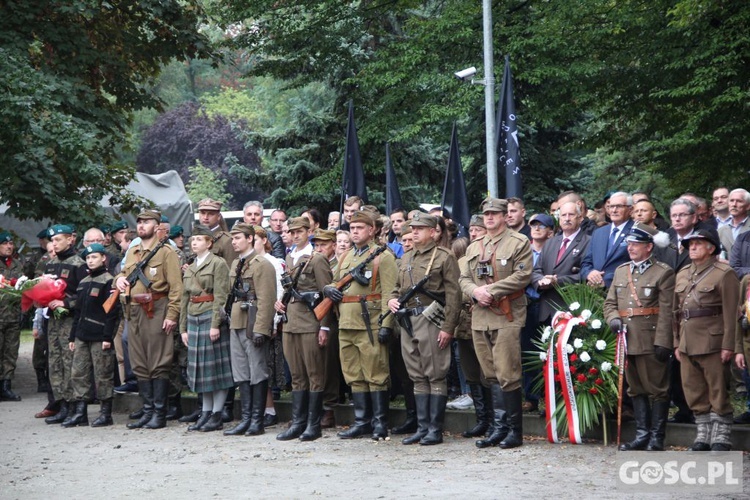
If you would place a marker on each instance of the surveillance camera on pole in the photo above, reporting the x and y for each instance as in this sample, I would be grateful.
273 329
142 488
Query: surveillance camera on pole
466 74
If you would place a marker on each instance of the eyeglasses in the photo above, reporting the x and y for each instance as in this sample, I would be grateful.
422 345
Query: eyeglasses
618 207
538 226
680 216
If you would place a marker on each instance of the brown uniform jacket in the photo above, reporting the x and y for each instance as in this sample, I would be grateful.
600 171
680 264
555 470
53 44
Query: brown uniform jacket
164 272
210 278
350 313
223 246
510 255
259 277
711 285
315 275
443 281
742 337
654 289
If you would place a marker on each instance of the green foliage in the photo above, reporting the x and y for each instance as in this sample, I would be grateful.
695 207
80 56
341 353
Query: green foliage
205 183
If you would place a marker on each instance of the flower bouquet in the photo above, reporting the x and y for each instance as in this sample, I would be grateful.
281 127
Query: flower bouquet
38 292
577 361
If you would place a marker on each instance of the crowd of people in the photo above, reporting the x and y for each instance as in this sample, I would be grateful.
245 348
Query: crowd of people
374 304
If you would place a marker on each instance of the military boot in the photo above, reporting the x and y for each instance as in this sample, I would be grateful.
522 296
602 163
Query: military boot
362 417
227 413
437 418
6 393
137 414
483 408
659 415
174 407
642 414
203 418
422 403
300 401
146 391
214 423
703 431
159 416
105 414
246 401
409 426
315 411
259 392
42 384
514 411
379 414
499 429
195 415
61 415
79 416
721 432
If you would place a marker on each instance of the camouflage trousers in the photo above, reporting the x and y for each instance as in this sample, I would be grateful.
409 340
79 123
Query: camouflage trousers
10 340
86 356
60 357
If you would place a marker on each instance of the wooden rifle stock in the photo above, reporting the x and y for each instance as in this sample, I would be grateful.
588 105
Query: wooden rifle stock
326 304
114 294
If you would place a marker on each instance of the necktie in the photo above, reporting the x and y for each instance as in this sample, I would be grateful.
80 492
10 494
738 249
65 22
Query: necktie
612 239
561 252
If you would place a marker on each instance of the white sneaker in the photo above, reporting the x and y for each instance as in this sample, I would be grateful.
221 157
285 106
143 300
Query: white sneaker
452 404
464 403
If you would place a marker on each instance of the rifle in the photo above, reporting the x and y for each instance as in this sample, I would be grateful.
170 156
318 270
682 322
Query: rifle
135 276
237 285
354 274
406 297
289 288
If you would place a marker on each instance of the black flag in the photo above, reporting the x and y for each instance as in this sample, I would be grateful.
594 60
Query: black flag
508 152
392 195
353 178
455 201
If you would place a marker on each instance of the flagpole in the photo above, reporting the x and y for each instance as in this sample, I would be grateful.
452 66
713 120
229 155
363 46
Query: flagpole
489 100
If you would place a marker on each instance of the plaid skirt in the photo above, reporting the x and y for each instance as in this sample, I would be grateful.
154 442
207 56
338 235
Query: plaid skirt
209 367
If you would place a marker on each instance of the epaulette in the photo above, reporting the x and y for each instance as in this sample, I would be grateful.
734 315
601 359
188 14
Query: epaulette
662 264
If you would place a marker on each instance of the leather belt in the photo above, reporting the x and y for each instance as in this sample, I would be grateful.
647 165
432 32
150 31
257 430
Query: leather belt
699 313
637 311
196 299
415 311
356 298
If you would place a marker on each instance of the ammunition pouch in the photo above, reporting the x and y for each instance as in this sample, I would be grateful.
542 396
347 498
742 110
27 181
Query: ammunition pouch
435 314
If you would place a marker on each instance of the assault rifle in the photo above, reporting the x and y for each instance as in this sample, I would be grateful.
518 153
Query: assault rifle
289 285
406 297
354 274
135 276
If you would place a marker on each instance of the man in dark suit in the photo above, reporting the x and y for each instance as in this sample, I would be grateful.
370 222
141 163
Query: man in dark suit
608 248
560 261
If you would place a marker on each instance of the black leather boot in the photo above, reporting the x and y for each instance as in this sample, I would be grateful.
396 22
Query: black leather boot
422 403
315 411
214 423
483 408
202 419
61 415
659 415
159 417
146 391
246 401
379 414
137 414
642 414
499 428
362 417
195 415
300 401
6 393
437 418
514 411
227 413
174 407
105 414
79 416
259 392
410 424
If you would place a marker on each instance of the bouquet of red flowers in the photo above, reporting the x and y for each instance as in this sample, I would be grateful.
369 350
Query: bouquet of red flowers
37 292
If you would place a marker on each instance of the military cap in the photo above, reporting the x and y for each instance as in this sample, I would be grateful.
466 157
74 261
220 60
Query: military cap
5 237
94 248
209 204
176 231
120 225
324 235
372 210
406 228
641 233
164 218
148 213
260 231
42 234
543 219
423 220
363 217
708 234
242 228
477 220
300 223
201 230
105 228
494 205
59 229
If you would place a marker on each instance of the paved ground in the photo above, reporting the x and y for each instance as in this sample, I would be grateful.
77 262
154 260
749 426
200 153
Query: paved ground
42 461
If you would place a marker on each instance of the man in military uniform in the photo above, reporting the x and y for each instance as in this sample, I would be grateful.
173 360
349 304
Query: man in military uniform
253 280
152 316
706 298
495 274
428 322
10 330
641 298
364 359
68 266
118 230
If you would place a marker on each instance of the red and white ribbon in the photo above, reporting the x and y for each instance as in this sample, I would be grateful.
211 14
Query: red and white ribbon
563 324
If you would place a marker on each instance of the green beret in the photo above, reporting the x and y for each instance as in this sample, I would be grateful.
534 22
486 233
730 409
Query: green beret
5 237
59 229
42 234
120 225
164 218
201 230
176 231
105 228
94 248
